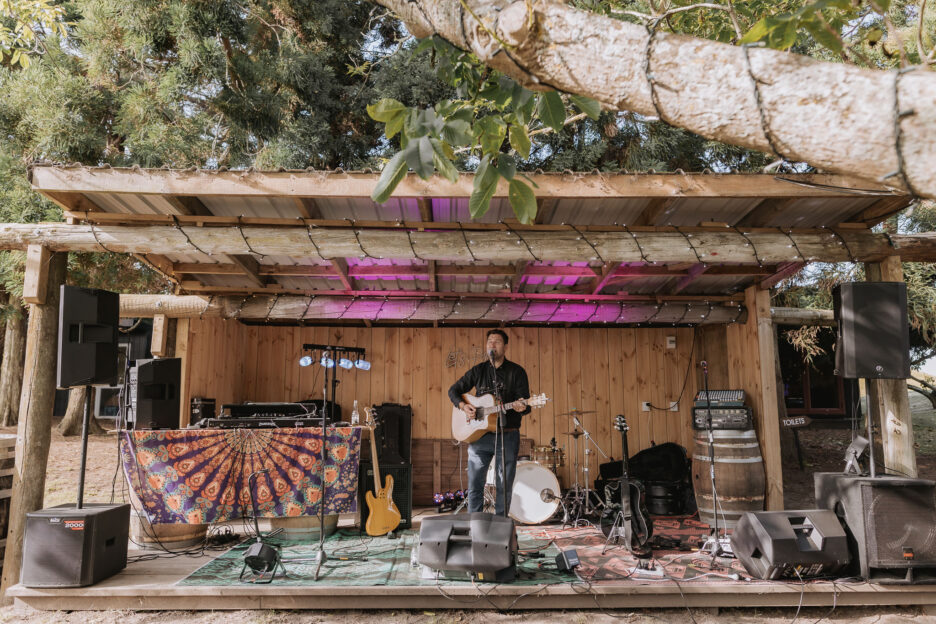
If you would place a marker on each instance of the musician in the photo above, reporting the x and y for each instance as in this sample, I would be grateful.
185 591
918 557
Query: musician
513 385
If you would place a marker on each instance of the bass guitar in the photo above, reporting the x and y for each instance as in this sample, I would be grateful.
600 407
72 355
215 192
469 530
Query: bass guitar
383 515
627 521
468 429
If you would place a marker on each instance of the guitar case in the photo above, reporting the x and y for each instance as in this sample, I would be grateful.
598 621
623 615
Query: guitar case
666 472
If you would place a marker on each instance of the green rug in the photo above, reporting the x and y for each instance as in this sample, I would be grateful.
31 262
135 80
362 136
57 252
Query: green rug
387 562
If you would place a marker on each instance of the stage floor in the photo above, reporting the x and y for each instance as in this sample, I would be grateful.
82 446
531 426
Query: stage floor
387 580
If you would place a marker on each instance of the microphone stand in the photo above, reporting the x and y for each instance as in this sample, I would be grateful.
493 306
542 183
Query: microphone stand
713 541
587 494
320 556
499 435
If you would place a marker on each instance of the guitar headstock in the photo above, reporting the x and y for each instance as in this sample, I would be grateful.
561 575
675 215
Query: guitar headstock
620 423
537 400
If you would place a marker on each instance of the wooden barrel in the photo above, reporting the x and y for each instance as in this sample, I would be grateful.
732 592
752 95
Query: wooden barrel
302 527
739 475
168 536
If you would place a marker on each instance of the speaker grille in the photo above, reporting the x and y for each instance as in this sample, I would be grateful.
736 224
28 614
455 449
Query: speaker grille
402 489
900 518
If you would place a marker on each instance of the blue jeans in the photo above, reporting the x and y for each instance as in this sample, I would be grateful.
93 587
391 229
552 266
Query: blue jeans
480 454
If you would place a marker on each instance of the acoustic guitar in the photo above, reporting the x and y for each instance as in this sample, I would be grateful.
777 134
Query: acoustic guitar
383 515
468 429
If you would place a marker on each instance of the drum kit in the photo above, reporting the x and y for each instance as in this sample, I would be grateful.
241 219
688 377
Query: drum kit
536 496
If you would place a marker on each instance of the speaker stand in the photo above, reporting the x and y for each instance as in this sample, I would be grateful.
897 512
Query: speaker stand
85 423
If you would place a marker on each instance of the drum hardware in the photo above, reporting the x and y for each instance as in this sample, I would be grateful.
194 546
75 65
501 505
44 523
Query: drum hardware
578 498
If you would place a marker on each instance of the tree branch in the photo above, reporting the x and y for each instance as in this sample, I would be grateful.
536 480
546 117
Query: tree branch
833 116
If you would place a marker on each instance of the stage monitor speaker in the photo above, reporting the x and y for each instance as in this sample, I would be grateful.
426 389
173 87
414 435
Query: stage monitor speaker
873 332
480 543
69 547
890 523
394 432
790 544
402 489
154 393
87 337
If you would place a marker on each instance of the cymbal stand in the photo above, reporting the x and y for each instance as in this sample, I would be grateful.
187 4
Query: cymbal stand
588 509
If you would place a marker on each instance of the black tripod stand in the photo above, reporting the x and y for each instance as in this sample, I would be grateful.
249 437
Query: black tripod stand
714 543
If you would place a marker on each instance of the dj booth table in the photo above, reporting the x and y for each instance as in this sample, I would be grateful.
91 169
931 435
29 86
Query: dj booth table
199 476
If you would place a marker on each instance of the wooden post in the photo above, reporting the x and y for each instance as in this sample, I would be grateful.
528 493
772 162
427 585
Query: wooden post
34 286
160 336
887 398
182 351
751 355
34 431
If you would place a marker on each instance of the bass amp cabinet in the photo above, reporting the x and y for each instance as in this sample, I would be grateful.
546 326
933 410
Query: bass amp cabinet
790 544
402 489
890 523
69 547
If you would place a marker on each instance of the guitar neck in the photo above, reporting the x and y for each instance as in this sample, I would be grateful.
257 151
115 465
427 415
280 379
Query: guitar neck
626 456
376 464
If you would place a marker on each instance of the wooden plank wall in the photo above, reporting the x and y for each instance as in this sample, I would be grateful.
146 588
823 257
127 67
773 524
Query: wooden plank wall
607 371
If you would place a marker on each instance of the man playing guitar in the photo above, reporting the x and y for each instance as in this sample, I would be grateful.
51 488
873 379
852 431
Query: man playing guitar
512 386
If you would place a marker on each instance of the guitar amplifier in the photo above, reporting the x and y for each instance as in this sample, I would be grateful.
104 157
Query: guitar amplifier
402 489
723 418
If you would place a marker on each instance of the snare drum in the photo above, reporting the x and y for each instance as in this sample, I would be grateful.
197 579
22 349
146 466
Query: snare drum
535 496
552 458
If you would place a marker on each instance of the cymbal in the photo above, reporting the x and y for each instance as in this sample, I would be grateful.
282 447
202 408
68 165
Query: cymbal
574 434
577 412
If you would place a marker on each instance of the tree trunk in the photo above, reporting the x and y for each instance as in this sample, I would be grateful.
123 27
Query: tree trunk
834 116
11 373
34 430
74 415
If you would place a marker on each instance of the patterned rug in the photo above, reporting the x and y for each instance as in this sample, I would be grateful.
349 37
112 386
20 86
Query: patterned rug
357 559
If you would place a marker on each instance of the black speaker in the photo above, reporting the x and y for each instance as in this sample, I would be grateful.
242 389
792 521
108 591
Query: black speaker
790 544
154 393
87 337
481 543
202 408
873 332
890 523
394 432
69 547
402 489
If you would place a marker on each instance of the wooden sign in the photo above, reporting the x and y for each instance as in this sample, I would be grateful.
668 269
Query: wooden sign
796 421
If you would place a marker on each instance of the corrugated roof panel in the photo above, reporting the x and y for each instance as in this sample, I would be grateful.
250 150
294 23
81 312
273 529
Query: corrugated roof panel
696 210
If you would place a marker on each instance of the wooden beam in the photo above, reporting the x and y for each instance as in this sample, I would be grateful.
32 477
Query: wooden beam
34 430
784 271
519 270
656 211
184 353
433 275
693 274
880 210
802 316
888 402
330 184
607 272
308 208
501 307
425 209
37 274
767 211
661 246
189 205
160 335
72 201
340 267
249 267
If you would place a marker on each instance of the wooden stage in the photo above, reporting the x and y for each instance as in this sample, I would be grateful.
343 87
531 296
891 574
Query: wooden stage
154 585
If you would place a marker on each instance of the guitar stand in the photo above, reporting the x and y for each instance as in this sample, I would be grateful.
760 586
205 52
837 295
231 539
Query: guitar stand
613 537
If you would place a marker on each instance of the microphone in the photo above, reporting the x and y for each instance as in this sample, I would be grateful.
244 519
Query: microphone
491 354
576 421
704 366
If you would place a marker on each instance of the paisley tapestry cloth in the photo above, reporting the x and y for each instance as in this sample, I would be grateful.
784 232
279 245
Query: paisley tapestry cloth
199 476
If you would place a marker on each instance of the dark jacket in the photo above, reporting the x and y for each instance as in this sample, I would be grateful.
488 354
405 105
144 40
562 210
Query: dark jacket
513 385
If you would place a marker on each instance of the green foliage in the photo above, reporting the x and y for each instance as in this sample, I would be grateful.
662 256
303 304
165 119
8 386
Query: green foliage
23 24
489 118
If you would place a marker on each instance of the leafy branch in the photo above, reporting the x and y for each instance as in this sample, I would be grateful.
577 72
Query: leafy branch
31 20
491 121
